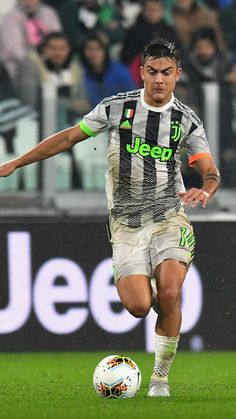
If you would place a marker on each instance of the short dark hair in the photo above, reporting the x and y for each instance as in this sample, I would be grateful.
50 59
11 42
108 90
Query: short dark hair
54 36
159 48
205 32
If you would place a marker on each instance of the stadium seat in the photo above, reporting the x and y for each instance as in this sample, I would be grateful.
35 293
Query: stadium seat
10 183
26 138
91 158
63 178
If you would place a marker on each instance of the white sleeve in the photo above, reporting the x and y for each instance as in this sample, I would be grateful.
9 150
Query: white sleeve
196 145
95 121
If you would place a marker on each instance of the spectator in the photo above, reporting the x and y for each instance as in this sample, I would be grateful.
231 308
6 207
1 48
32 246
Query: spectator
6 92
55 65
6 88
11 110
207 63
150 24
227 18
23 28
103 76
83 16
130 10
110 23
188 16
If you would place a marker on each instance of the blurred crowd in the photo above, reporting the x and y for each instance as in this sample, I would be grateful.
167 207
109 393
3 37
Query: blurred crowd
90 49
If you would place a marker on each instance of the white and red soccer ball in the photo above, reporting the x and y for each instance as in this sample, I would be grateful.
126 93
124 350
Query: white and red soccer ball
117 376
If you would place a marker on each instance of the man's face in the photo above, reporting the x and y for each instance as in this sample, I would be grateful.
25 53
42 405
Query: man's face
30 6
57 51
94 53
204 49
153 11
184 5
160 76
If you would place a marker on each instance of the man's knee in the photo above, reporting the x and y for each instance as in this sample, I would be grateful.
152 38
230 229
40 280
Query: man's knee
138 309
135 294
169 297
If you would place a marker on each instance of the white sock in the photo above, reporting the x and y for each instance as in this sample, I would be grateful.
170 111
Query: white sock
165 350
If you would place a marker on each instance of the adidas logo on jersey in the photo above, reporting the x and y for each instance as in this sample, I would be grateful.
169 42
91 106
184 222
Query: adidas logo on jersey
125 125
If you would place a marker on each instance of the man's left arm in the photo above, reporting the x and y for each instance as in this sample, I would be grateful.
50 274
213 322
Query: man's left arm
210 183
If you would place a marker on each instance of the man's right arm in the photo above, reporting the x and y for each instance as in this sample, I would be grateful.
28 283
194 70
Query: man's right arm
49 147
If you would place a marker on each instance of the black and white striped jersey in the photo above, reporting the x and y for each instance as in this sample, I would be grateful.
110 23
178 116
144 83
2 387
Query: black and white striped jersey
145 143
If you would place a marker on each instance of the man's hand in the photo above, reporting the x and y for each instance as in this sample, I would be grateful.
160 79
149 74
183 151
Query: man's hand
194 196
7 168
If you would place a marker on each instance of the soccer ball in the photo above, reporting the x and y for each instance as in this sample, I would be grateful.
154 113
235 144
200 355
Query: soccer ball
117 377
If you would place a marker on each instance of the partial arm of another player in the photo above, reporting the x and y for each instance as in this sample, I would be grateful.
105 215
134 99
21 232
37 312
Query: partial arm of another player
49 147
211 182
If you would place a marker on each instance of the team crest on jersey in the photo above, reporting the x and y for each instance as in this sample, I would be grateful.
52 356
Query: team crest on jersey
176 130
129 113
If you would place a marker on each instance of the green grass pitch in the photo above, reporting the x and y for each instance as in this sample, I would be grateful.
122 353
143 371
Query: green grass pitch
59 386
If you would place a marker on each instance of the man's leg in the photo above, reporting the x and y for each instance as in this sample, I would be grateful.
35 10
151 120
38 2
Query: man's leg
170 275
135 294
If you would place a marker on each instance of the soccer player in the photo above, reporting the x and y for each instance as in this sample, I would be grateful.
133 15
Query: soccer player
152 238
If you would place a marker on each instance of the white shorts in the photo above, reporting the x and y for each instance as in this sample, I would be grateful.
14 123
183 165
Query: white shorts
141 250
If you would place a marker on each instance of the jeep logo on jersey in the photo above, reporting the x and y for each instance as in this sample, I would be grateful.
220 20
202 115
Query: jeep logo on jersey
145 150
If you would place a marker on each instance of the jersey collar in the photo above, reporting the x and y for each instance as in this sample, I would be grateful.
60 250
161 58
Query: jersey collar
155 108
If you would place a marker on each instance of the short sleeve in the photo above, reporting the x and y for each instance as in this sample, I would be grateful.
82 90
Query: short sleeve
95 121
196 144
